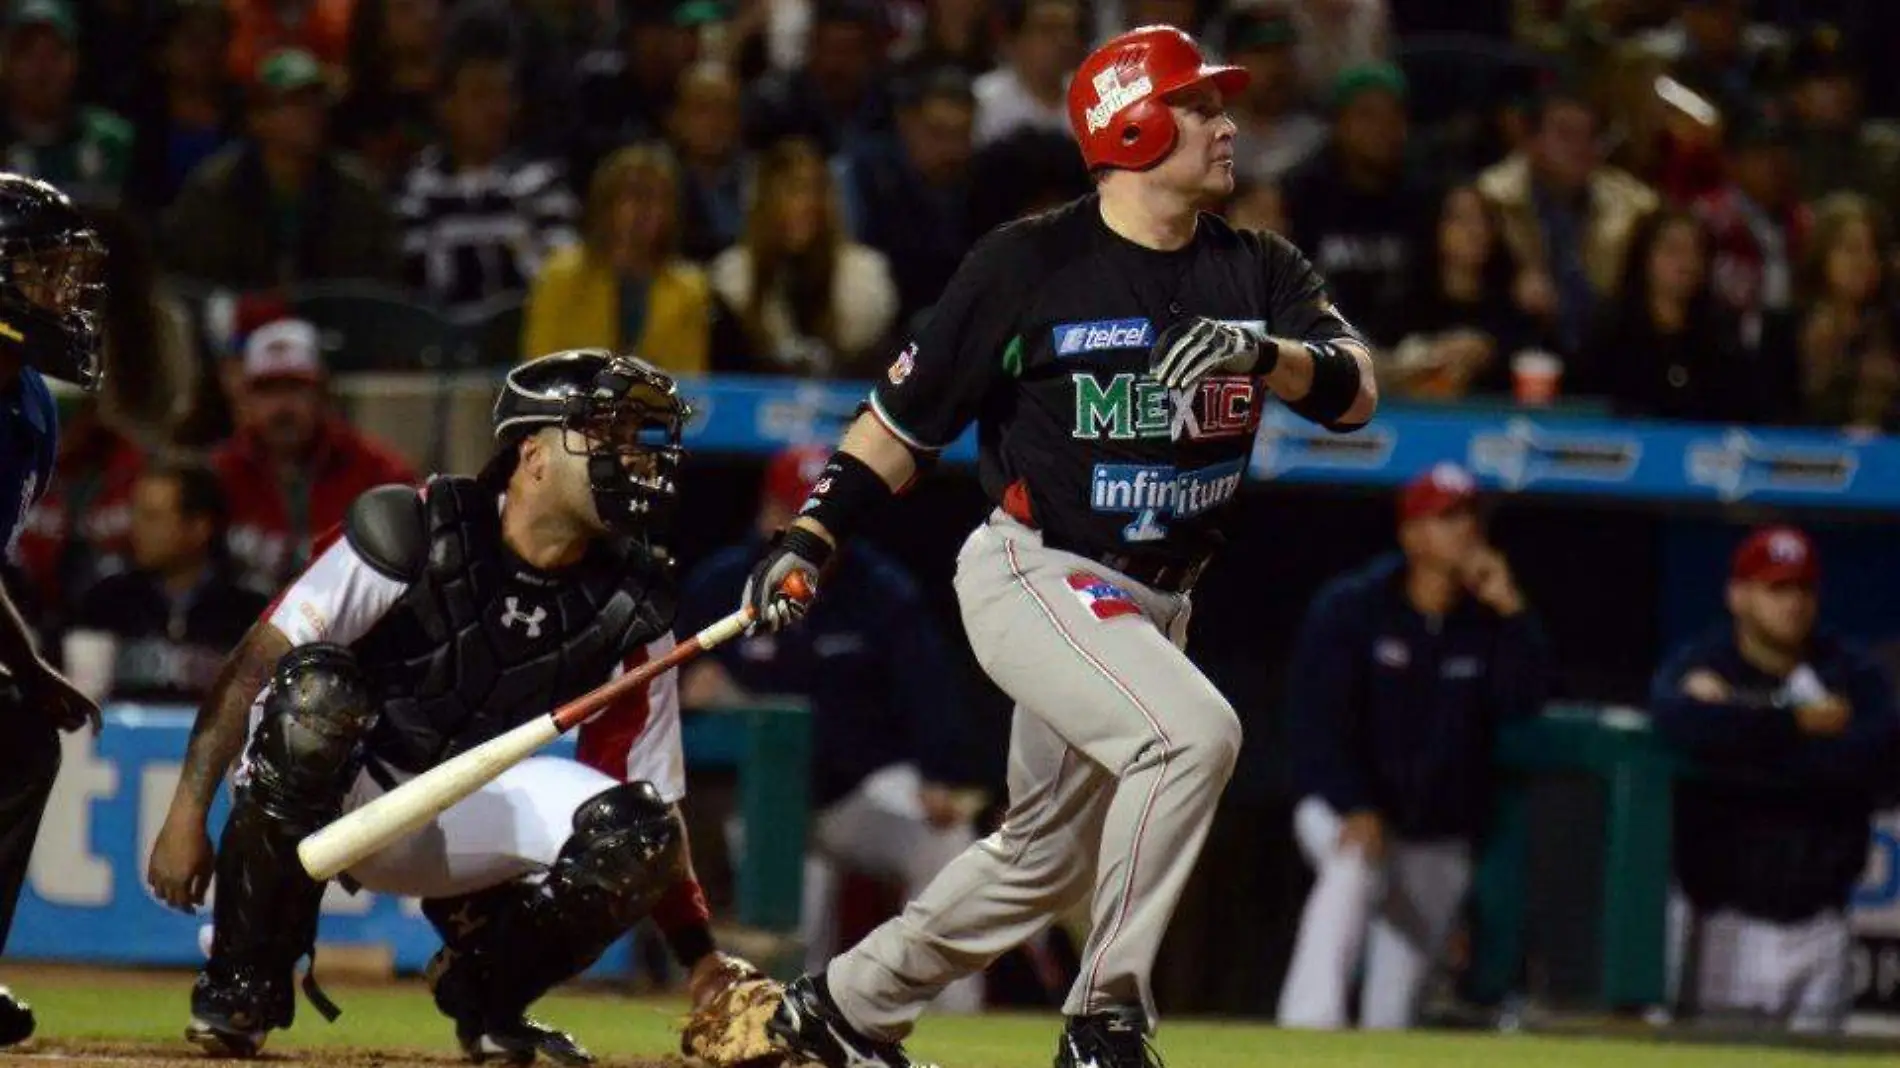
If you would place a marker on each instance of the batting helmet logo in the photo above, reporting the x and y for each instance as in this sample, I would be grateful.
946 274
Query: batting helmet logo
1116 106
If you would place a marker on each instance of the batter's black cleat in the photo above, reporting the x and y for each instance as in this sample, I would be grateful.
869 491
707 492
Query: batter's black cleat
16 1019
491 1031
518 1041
811 1028
1117 1038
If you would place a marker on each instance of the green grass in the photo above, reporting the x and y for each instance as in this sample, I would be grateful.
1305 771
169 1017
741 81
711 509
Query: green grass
399 1018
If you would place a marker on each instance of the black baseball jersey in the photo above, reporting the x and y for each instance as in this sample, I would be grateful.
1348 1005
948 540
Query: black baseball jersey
1043 338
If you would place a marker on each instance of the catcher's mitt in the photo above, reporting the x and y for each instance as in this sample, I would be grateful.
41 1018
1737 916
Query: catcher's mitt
731 1002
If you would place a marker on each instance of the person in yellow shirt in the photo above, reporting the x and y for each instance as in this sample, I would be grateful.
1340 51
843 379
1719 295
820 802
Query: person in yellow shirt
624 285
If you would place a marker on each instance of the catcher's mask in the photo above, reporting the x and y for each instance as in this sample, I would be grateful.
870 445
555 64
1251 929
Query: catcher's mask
52 282
623 414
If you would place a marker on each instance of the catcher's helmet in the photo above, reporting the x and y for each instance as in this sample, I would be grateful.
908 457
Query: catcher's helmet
1115 99
52 287
624 414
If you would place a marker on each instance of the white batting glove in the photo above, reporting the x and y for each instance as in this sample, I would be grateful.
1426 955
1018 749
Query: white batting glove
1192 349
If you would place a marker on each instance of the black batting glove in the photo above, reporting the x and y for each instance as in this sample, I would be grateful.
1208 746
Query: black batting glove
1192 349
793 549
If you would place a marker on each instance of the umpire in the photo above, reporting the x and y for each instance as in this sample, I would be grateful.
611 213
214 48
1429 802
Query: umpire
1406 666
1796 735
51 264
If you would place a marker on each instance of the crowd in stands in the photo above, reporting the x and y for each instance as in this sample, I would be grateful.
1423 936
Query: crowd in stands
1683 202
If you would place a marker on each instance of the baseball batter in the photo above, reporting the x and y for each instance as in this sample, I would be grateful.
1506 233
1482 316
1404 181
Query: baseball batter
441 618
1115 354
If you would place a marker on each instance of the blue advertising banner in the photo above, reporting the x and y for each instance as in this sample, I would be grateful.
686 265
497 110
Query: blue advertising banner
1510 450
85 898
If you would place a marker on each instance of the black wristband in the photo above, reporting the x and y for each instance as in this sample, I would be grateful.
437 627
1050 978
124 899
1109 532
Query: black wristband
801 542
1267 357
1335 384
846 494
689 943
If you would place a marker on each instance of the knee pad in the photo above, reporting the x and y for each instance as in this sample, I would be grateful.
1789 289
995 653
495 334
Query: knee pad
626 842
309 746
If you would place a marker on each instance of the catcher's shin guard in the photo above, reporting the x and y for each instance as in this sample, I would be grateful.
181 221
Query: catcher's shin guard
504 947
305 754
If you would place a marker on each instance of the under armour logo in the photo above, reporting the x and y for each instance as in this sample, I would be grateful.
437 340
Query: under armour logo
530 620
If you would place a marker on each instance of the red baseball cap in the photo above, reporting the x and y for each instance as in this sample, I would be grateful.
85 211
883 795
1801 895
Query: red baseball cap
792 473
1444 488
1776 554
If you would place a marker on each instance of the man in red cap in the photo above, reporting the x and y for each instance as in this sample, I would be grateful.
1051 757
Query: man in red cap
294 465
1406 666
1115 354
890 732
1797 742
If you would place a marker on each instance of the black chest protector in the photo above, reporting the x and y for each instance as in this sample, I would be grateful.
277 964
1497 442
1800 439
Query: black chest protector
481 642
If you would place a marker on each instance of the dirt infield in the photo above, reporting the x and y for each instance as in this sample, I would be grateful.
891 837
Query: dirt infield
180 1055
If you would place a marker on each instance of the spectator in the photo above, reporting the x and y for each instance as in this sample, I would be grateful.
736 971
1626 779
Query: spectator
159 633
1463 315
82 149
1335 35
116 42
838 99
1712 49
1837 151
1356 208
913 204
1664 346
956 33
1031 170
1566 213
555 38
478 218
715 169
1794 731
1756 224
1029 90
1276 132
277 209
188 110
1407 667
623 96
390 110
1846 343
320 28
813 302
888 749
624 284
294 466
151 355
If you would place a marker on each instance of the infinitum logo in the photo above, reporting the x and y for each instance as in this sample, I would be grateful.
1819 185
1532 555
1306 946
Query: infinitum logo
1157 492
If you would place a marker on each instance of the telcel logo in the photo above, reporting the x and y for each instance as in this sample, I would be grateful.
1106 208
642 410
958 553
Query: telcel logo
1073 339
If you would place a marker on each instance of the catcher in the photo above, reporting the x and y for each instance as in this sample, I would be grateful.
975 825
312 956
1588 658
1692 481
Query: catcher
438 618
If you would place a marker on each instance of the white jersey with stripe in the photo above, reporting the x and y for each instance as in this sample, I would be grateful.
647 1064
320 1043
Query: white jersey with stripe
340 597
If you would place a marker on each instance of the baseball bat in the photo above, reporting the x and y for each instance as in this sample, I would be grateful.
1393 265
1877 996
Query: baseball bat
369 829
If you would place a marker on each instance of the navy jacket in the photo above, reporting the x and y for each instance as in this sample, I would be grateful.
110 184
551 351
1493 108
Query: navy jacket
1392 711
1775 825
29 439
868 658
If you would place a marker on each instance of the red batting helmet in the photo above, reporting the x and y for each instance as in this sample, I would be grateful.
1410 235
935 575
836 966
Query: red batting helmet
1115 98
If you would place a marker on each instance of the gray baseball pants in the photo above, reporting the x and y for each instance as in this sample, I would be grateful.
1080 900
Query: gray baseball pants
1119 751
